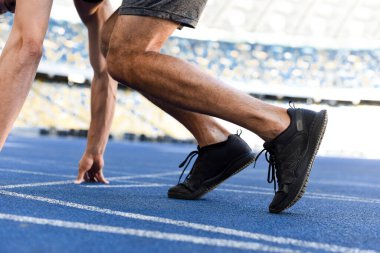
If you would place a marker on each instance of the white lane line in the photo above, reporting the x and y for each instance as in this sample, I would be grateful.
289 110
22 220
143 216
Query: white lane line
36 184
71 181
246 191
164 176
121 178
268 191
147 234
154 175
127 186
130 184
346 183
342 183
35 173
37 162
261 191
16 145
312 196
136 182
323 182
342 198
196 226
49 162
250 187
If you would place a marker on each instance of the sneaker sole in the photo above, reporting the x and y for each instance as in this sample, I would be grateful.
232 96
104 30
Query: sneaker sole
241 163
318 127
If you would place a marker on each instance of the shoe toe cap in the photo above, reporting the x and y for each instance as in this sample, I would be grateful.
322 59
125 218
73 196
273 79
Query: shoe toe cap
179 188
181 191
277 205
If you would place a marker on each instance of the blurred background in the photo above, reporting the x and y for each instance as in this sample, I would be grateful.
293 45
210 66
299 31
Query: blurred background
321 54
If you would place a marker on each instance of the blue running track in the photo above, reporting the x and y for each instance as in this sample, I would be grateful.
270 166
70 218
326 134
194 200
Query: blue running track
41 210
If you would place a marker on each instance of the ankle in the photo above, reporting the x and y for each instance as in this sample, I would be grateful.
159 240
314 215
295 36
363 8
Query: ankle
277 126
213 138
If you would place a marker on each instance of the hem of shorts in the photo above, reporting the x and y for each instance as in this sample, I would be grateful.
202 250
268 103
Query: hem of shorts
183 21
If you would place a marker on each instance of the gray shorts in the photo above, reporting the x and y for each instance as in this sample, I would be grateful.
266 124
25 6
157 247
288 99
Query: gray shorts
183 12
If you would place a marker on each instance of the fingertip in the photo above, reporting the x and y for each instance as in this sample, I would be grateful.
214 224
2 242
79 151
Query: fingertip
103 180
78 181
80 178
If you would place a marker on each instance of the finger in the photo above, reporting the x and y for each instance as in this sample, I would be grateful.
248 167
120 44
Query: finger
101 178
78 181
86 177
90 177
81 176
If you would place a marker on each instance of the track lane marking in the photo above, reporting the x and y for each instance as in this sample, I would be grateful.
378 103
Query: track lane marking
35 173
311 195
262 190
36 184
145 185
72 181
152 234
196 226
346 183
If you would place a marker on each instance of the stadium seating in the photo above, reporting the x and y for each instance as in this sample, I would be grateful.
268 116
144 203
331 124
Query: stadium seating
61 107
66 44
278 67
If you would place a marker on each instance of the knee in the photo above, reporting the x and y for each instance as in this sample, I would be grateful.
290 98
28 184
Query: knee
130 66
121 65
129 60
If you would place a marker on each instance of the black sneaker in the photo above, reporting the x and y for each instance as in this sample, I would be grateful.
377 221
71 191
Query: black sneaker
291 156
215 163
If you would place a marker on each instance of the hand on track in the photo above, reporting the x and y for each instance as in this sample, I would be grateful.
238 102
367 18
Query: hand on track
91 169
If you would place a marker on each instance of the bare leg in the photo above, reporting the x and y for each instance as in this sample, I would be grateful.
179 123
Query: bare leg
205 129
134 59
103 97
20 58
183 91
